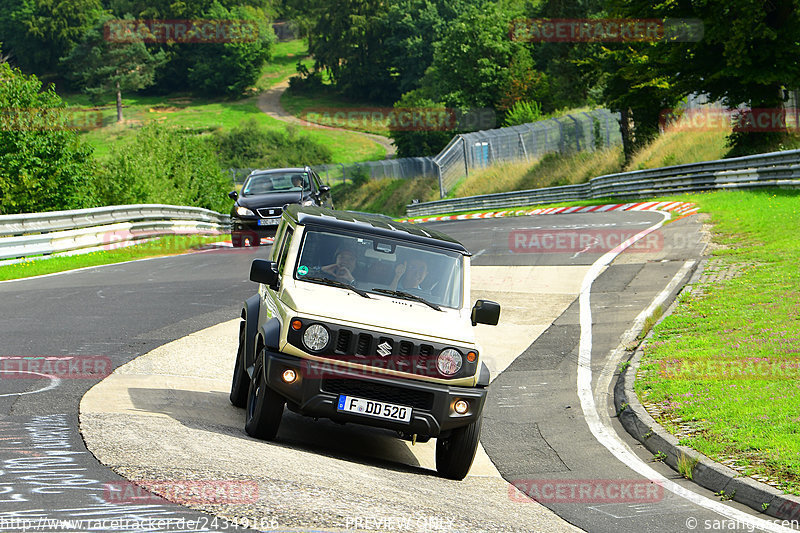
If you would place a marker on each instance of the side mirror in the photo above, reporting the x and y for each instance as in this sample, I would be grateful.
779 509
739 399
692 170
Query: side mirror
233 195
263 271
485 312
324 189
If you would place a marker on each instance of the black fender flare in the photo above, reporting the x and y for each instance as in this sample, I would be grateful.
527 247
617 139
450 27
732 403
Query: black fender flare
269 335
484 376
250 317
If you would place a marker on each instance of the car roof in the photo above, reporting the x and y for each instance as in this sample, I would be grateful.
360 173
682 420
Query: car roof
374 224
278 170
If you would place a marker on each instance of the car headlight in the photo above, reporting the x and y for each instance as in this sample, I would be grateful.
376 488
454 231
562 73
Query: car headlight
316 337
449 362
244 212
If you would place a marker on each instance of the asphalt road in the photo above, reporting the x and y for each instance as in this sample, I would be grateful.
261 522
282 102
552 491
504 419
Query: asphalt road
535 429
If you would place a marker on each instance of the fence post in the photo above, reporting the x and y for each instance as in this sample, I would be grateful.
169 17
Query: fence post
439 175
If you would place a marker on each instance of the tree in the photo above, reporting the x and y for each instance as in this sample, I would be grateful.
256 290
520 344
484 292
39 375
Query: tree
421 142
349 43
470 61
102 66
747 54
43 164
38 32
228 68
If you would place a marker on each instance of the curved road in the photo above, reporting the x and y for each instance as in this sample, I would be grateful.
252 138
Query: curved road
535 432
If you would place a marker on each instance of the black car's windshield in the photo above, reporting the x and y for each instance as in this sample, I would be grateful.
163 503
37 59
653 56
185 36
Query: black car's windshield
276 182
378 265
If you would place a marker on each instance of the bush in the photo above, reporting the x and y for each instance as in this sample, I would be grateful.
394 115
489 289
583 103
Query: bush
43 164
164 165
523 112
421 142
251 146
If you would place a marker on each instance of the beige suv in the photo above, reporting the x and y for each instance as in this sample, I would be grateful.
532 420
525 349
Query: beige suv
364 320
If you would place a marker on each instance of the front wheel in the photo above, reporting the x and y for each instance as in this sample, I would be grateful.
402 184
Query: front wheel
241 381
264 406
454 454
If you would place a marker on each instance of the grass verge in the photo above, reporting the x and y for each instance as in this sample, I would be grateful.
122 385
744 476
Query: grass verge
204 115
723 370
167 245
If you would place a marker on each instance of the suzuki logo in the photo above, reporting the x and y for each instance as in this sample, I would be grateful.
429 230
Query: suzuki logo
384 349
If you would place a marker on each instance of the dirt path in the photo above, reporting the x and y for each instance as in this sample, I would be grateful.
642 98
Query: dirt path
270 103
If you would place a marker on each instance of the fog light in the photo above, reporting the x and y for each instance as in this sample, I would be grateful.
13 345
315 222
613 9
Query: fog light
289 375
461 407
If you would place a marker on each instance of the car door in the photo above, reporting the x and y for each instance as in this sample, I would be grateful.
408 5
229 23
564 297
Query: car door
324 191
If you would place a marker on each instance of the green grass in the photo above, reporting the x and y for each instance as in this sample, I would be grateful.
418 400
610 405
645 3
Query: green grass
724 365
204 115
321 105
167 245
284 63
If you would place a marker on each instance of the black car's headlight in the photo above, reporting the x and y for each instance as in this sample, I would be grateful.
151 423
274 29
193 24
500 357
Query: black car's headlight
244 212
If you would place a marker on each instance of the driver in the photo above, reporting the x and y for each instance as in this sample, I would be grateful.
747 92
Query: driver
342 269
297 181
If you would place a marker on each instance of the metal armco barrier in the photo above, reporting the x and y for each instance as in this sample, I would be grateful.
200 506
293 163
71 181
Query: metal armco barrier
32 234
762 170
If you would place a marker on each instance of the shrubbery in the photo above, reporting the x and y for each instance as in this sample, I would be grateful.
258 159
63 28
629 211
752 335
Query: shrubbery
164 165
43 165
251 146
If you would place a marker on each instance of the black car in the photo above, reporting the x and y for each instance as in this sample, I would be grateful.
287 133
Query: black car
264 196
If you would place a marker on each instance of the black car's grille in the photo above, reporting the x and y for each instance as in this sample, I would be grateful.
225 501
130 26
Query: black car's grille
380 392
266 212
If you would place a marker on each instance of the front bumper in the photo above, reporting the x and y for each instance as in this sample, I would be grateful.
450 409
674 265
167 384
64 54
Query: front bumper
250 226
316 392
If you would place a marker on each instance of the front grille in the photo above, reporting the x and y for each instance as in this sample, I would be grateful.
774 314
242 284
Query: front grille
267 212
343 341
380 392
425 352
381 350
364 344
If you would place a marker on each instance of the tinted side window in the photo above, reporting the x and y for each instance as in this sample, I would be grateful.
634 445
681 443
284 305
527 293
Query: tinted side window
287 241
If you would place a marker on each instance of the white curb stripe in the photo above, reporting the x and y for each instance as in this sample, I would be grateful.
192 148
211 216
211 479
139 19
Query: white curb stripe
606 435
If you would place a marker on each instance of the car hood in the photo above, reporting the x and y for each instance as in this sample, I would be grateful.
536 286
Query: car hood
275 199
380 312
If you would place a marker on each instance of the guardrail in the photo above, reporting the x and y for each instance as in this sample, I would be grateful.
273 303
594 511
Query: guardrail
762 170
33 234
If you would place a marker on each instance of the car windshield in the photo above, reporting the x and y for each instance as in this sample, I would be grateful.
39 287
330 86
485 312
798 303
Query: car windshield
276 182
378 265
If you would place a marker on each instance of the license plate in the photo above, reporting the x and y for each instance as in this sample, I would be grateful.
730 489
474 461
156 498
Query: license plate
268 221
374 408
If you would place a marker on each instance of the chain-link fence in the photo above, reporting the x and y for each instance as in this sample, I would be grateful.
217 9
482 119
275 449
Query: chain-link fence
577 132
585 131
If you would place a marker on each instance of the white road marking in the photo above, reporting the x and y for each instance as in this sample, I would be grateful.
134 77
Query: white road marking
604 434
54 382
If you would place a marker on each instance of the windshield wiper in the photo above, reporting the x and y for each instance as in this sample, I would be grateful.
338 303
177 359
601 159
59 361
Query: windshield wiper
335 283
408 296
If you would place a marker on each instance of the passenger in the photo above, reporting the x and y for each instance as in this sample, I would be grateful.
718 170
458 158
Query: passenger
409 275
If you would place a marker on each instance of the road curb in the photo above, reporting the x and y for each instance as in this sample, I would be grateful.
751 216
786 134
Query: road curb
706 472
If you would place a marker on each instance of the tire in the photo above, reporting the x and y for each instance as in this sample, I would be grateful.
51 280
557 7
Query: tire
240 385
264 406
454 454
236 241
